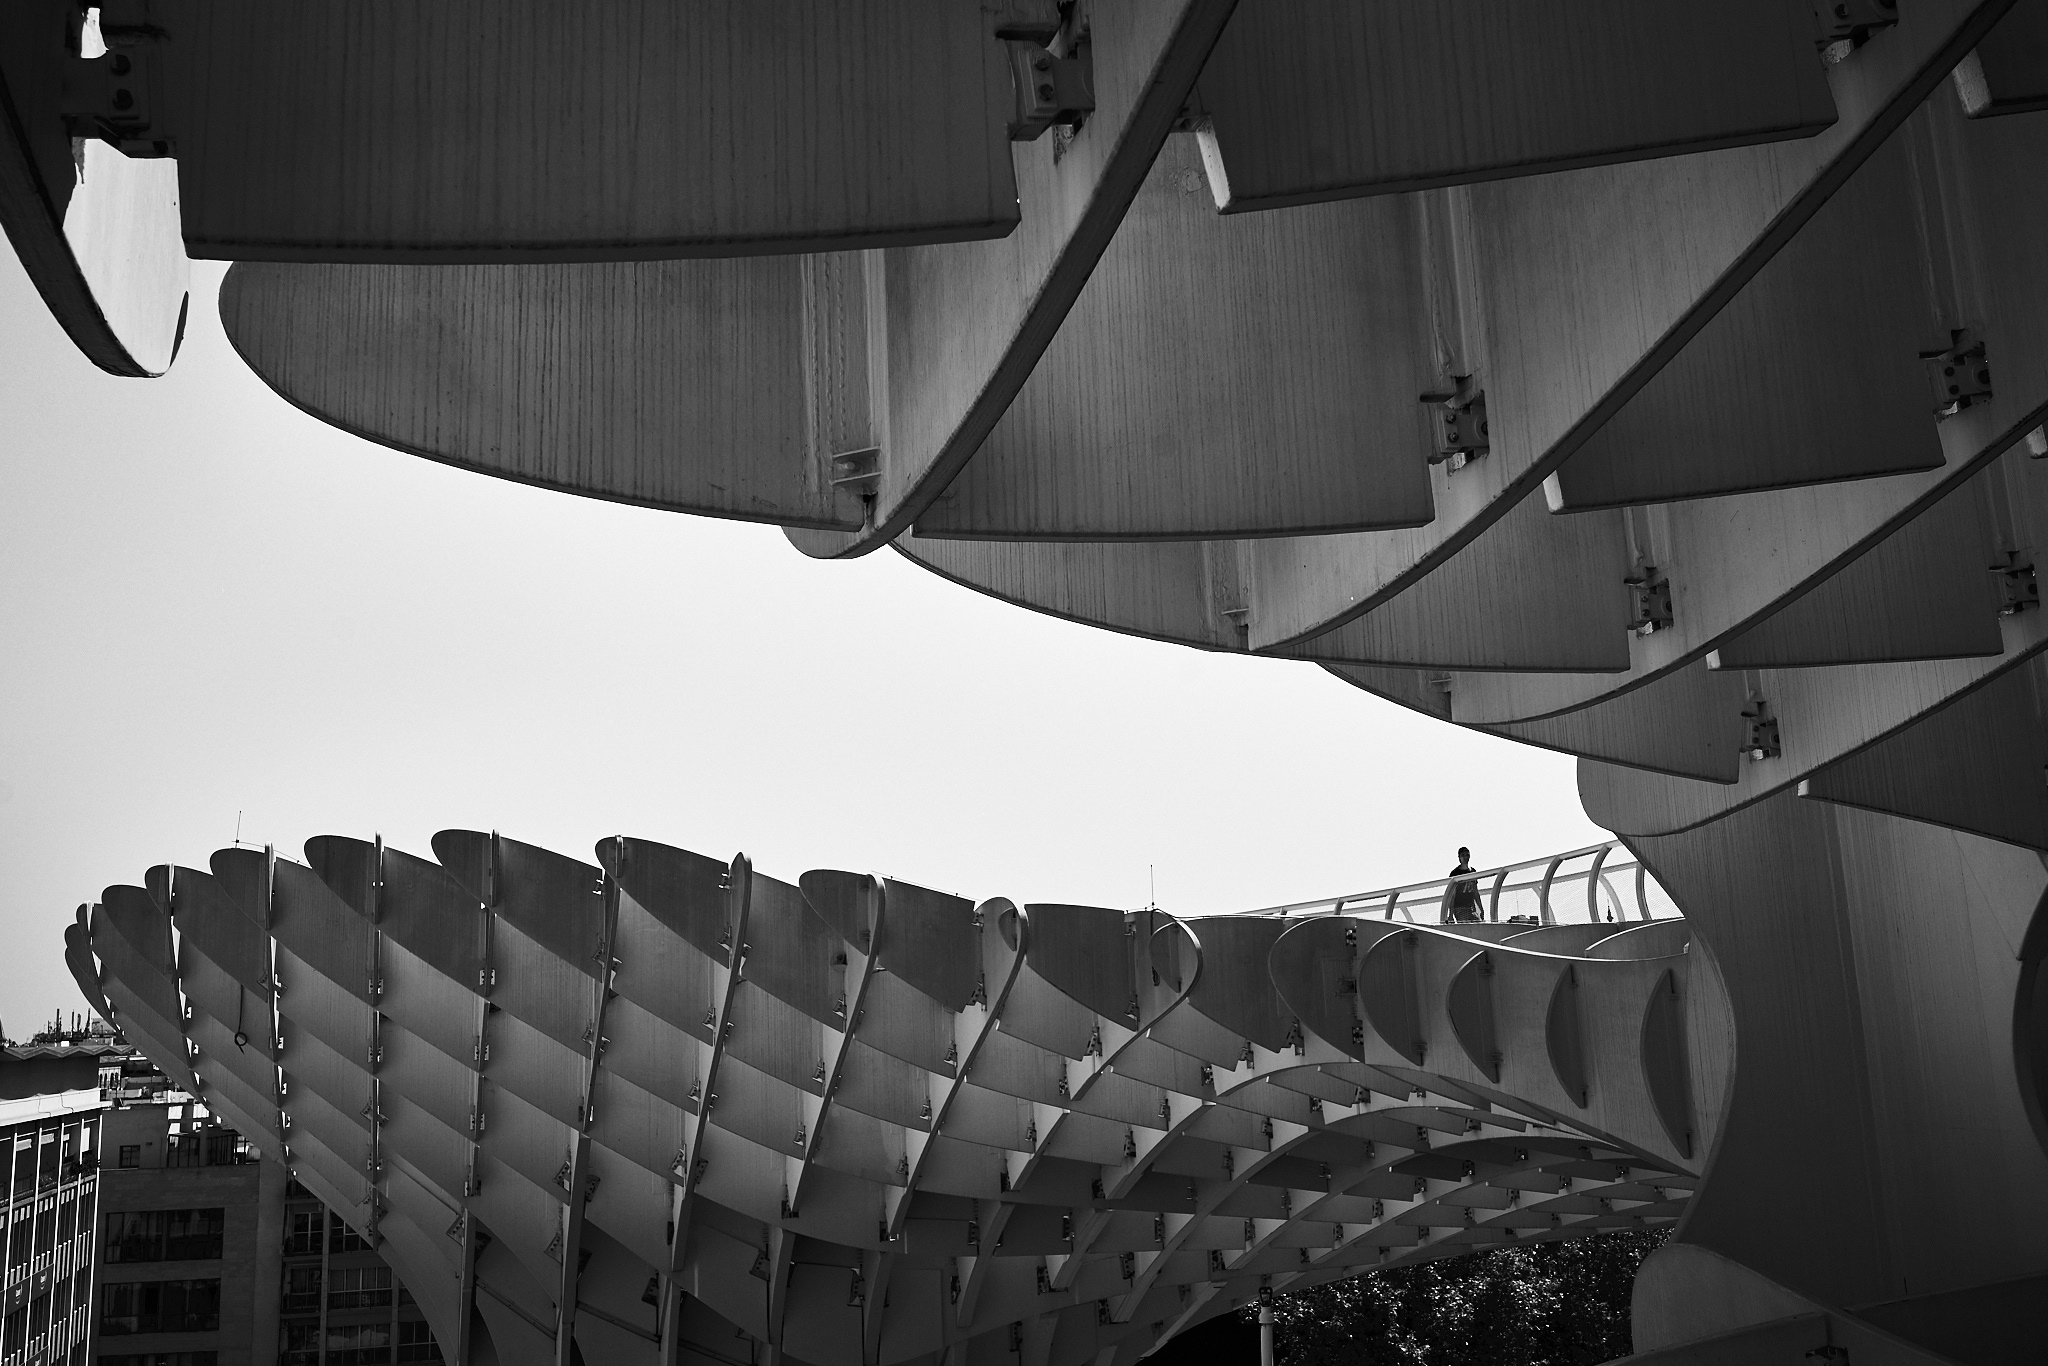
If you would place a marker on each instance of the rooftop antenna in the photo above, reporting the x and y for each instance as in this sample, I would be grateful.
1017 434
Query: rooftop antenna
238 829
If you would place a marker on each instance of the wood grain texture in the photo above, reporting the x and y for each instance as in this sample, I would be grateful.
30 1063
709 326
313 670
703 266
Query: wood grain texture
1163 590
1319 99
616 131
1842 309
1974 765
678 385
1823 716
1576 287
1536 592
1219 378
1687 723
1922 593
1875 959
967 322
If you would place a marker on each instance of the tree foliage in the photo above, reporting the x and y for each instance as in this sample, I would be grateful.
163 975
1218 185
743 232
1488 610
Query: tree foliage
1538 1304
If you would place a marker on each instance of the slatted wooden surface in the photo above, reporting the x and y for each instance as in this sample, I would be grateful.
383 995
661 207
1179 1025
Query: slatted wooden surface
1320 99
1536 593
966 323
1150 1128
611 131
1844 308
1925 592
680 385
1977 764
1877 956
1220 377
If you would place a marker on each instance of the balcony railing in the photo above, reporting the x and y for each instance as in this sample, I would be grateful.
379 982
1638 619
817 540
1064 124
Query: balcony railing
1600 883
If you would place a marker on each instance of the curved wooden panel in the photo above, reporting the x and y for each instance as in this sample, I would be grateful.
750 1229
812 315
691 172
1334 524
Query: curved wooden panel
684 891
1562 1036
1975 764
677 385
1234 988
1087 953
1688 723
1469 1003
1329 99
1387 994
78 958
932 943
1664 1061
809 129
845 901
1810 322
1313 968
1285 405
1921 593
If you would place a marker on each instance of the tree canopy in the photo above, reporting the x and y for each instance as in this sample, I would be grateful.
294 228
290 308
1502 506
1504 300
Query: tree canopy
1538 1304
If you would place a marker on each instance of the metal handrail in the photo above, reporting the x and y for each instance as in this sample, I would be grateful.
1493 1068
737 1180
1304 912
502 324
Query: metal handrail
1610 861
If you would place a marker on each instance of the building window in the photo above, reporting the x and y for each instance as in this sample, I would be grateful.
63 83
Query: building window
302 1232
359 1344
342 1238
416 1341
301 1345
301 1290
358 1287
208 1148
131 1154
165 1235
160 1307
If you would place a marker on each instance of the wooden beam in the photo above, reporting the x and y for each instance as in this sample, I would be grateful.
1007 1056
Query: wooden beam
1325 100
623 130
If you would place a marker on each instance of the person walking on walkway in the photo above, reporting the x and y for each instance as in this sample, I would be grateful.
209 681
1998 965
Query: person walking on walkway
1464 908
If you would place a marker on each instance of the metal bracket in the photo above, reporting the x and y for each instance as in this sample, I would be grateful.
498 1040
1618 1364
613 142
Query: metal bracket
1846 25
1959 375
1052 71
1460 433
113 97
1651 592
1760 732
2017 588
858 472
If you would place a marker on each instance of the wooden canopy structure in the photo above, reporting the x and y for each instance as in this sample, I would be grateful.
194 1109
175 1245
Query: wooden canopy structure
1657 382
663 1107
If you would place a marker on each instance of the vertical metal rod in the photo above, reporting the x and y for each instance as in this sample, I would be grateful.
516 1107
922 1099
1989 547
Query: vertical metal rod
1593 884
1543 893
1265 1335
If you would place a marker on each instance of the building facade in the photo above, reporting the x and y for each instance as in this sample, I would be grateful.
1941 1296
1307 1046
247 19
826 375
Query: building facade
53 1146
190 1241
142 1231
342 1305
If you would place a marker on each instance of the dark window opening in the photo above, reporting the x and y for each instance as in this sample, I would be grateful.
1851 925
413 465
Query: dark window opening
165 1235
160 1307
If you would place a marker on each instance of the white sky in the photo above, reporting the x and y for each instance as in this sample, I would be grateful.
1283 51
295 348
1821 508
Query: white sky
211 603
